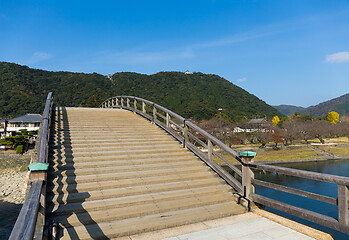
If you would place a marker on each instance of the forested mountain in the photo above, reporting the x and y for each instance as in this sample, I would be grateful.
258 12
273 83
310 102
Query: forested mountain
340 105
24 90
288 109
197 95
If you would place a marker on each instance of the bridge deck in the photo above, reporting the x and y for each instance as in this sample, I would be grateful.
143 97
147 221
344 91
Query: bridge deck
113 174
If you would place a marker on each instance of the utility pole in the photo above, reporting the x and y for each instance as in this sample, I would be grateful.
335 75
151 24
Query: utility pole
220 121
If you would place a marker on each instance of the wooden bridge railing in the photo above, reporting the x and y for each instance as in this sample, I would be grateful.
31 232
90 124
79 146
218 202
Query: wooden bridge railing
208 149
31 220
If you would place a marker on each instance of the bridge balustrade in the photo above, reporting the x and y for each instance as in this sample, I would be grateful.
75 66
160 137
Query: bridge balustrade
31 219
209 149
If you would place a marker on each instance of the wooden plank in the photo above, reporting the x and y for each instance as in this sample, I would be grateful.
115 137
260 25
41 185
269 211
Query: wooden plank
304 174
301 212
234 183
25 224
343 198
229 164
298 192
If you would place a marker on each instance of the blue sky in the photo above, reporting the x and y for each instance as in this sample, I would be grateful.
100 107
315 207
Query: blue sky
284 52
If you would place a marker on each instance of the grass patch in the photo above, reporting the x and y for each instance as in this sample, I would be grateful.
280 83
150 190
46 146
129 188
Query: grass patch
336 150
284 155
287 155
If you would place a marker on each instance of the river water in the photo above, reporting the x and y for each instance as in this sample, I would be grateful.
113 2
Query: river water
338 167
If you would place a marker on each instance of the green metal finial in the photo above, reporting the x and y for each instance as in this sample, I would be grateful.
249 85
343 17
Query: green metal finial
38 167
247 154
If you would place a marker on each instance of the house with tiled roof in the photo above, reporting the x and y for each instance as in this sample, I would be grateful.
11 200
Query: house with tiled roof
28 121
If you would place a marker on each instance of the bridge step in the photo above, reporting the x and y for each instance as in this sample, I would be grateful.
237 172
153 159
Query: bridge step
102 169
103 143
65 198
80 187
131 226
137 210
106 148
113 173
64 164
102 176
58 210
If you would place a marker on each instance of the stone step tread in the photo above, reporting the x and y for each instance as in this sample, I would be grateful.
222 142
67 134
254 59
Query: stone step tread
160 138
101 168
118 155
164 141
104 215
141 174
75 163
145 188
153 222
116 146
124 134
119 158
114 202
116 129
131 152
79 187
109 132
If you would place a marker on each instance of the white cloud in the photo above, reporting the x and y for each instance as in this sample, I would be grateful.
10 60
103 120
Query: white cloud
338 57
38 57
241 79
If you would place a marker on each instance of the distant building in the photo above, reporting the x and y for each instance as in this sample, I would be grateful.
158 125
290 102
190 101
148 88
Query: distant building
255 125
259 123
3 125
110 77
29 121
187 72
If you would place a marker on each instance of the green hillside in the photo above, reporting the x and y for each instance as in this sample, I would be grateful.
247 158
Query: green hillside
198 95
194 95
340 105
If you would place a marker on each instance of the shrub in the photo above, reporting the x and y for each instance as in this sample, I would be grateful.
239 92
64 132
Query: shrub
20 149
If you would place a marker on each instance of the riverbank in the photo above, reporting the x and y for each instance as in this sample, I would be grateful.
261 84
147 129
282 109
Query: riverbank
13 177
299 152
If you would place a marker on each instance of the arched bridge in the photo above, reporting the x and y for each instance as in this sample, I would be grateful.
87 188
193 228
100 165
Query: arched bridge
133 166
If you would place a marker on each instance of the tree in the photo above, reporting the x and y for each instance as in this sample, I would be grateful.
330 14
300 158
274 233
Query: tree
94 100
333 117
275 120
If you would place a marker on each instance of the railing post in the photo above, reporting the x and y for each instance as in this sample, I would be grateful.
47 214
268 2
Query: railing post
185 135
122 102
135 105
127 102
117 101
143 107
210 150
167 120
343 198
112 102
247 174
109 103
154 114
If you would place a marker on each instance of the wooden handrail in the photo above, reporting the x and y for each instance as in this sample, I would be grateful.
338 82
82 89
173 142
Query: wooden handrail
28 221
180 128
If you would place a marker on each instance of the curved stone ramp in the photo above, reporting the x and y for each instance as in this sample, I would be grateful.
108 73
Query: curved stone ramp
114 174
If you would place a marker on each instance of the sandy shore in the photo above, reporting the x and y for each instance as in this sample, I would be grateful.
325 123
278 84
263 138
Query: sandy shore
12 186
12 190
12 196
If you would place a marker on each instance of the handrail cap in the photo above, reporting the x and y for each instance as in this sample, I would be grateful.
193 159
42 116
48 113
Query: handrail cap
38 167
247 154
